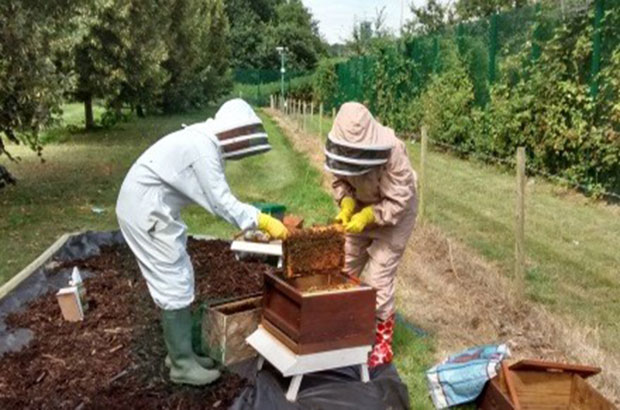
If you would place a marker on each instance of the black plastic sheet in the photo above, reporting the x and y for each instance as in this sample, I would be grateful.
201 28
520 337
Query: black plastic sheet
339 389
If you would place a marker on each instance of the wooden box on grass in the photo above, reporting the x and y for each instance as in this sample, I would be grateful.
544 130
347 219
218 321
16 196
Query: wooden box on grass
225 327
544 385
312 322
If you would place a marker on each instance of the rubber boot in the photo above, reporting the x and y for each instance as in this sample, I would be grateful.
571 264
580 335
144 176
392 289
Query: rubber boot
382 350
184 369
203 361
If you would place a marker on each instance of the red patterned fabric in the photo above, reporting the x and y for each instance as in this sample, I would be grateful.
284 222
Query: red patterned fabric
382 350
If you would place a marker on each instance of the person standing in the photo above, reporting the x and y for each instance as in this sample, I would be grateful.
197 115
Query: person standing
375 187
183 168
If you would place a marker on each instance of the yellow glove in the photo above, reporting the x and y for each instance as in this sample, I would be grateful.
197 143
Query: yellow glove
347 206
272 226
360 220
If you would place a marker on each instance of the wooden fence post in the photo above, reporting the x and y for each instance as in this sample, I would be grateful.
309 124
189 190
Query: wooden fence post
422 179
321 119
305 115
311 111
271 101
520 223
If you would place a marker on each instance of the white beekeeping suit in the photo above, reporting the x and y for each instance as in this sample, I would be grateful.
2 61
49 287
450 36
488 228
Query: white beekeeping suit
182 168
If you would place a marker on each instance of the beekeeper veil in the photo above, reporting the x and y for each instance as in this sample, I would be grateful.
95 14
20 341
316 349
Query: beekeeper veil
356 143
239 131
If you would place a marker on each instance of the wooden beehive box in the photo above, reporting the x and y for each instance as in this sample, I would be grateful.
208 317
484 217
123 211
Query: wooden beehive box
226 326
316 313
534 384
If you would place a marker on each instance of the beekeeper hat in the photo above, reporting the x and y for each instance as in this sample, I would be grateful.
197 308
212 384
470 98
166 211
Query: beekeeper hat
356 143
239 131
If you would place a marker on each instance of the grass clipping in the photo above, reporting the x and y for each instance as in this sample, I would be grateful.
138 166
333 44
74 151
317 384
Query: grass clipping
317 250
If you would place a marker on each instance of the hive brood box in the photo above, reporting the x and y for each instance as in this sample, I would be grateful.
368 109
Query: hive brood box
226 326
312 306
536 384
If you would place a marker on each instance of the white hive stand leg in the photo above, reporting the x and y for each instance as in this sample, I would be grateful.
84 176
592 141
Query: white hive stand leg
364 372
260 363
293 388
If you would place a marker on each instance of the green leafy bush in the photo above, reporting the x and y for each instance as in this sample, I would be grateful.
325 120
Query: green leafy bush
540 92
325 82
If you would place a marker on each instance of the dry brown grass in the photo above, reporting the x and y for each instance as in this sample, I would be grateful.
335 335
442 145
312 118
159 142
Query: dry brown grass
448 290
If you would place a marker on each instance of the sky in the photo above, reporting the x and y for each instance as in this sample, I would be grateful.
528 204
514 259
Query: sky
336 17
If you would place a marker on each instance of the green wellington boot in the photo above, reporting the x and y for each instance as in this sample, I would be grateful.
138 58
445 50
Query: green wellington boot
184 369
203 361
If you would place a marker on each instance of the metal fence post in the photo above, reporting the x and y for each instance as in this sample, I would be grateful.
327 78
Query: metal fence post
520 222
422 179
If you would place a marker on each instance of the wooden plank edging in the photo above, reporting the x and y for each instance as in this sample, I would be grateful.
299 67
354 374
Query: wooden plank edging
35 264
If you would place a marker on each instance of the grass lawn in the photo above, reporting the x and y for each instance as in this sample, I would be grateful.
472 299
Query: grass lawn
572 243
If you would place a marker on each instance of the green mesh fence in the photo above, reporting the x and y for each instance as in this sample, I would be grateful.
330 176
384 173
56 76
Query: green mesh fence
485 43
256 85
512 61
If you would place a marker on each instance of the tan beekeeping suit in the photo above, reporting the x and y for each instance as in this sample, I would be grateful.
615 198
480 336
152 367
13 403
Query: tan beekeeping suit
391 190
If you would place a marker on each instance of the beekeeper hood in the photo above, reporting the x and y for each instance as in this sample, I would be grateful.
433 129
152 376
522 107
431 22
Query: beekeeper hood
357 143
239 131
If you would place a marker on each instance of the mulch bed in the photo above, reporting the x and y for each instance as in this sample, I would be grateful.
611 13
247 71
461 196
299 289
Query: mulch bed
114 358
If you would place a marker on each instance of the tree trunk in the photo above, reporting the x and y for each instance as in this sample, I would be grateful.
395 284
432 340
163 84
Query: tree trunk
140 111
88 112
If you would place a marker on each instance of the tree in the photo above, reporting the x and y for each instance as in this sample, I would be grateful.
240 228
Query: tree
33 79
367 33
120 57
248 21
469 9
217 57
428 18
294 28
258 27
198 57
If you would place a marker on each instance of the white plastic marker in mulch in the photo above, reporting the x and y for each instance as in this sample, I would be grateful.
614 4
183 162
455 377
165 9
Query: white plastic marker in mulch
72 299
290 364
